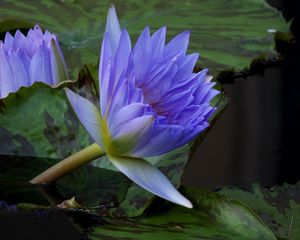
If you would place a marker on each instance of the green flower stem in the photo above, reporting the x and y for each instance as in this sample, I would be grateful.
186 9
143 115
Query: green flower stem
69 164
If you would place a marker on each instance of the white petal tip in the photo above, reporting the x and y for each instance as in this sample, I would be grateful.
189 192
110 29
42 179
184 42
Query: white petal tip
112 7
149 178
181 200
188 204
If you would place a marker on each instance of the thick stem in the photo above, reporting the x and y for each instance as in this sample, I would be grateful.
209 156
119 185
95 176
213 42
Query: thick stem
69 164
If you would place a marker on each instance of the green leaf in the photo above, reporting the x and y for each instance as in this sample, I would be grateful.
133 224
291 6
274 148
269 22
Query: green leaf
214 216
279 206
37 121
228 34
11 25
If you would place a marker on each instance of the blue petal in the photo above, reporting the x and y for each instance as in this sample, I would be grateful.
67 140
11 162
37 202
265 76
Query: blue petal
19 72
158 43
193 82
117 80
210 95
142 54
7 82
194 115
113 27
166 138
40 66
150 178
88 115
171 105
58 67
121 58
177 45
127 113
8 41
202 91
105 73
18 40
185 67
159 84
47 37
24 58
126 137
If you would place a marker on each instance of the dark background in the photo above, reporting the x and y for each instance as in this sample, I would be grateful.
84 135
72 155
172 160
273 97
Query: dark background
257 137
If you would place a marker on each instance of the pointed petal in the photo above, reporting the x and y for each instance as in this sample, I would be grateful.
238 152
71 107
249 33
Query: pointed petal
208 78
210 95
19 72
58 66
88 115
113 27
8 41
7 82
142 54
205 93
178 44
126 114
40 68
105 89
194 114
105 55
164 138
25 59
121 58
185 67
47 37
158 43
160 84
18 40
150 178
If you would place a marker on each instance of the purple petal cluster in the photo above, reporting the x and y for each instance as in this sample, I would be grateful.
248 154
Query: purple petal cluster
150 93
27 59
151 102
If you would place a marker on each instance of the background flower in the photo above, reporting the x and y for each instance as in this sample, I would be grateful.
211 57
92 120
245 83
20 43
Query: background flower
151 102
27 59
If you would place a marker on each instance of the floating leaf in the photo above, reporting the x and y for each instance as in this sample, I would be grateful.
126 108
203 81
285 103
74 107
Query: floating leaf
214 216
37 121
279 206
228 34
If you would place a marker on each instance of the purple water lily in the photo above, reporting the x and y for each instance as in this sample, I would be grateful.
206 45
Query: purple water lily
151 102
28 59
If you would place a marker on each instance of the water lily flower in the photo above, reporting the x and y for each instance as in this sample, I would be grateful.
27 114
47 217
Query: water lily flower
151 102
27 59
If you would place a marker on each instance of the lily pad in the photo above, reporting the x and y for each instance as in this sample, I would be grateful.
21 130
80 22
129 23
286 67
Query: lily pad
214 216
37 121
228 34
278 206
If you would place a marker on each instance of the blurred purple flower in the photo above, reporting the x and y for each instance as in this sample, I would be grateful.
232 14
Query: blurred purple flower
4 207
27 59
151 102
